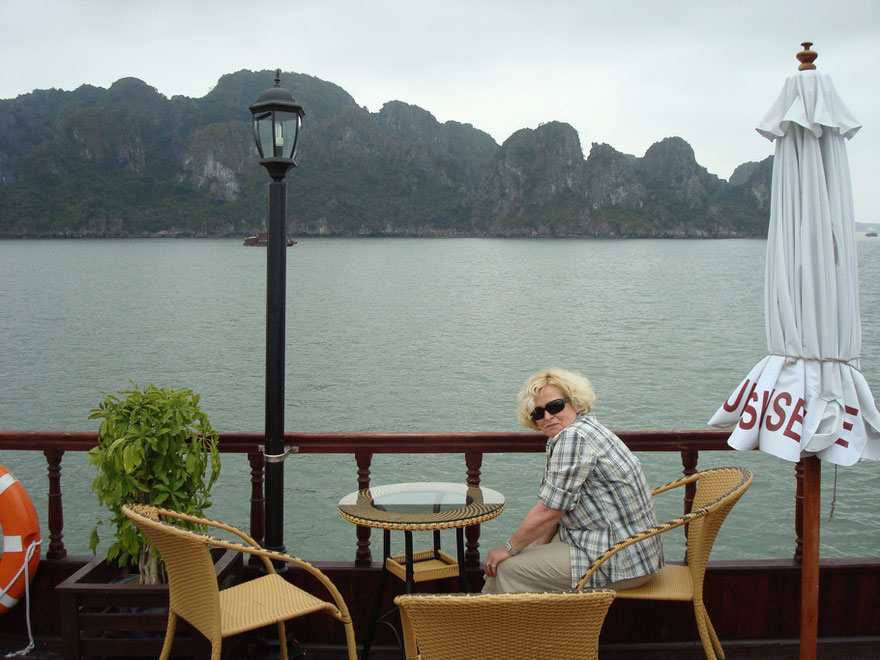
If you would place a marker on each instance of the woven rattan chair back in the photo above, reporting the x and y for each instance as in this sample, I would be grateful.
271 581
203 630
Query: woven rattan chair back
718 490
193 592
195 595
522 626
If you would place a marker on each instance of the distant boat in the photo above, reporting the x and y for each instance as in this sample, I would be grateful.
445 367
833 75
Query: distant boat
262 240
870 232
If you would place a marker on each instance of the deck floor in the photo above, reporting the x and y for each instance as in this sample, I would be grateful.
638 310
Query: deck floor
862 649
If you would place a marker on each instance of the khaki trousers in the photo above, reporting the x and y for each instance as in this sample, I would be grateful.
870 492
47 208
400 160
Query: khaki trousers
543 568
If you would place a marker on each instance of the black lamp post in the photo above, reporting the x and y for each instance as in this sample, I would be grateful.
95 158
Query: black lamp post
277 120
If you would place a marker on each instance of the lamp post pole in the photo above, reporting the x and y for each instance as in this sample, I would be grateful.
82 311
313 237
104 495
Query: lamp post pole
276 310
277 119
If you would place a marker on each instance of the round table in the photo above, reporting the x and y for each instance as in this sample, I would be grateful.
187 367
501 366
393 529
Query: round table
421 506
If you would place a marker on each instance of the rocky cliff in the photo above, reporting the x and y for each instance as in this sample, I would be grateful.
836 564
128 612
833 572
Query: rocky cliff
129 161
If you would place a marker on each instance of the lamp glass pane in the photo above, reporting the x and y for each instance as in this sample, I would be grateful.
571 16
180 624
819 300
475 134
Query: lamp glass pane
287 131
263 134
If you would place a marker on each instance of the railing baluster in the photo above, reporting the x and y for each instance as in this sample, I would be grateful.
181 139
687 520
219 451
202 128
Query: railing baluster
257 461
363 556
689 458
474 462
56 548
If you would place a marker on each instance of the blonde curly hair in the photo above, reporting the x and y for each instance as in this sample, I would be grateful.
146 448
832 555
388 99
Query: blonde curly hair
573 386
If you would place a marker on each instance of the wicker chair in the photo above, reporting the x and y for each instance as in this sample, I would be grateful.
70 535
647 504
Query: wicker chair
717 491
195 596
521 626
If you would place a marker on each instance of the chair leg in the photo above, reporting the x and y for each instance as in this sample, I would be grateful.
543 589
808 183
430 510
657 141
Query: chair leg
349 640
169 636
282 640
716 643
216 648
707 632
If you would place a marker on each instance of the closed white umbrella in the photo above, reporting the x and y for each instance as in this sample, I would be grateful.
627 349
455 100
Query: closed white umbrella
808 395
807 398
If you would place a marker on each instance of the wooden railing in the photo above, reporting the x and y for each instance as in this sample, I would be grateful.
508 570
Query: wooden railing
362 446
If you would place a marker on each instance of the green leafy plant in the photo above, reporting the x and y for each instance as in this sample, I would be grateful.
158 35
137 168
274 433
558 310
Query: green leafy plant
155 446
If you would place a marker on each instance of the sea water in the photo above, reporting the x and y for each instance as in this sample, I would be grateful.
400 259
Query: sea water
411 335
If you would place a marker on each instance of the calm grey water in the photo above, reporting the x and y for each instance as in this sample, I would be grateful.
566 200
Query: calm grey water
411 335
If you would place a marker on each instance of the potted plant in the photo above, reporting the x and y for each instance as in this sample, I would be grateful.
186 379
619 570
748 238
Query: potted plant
155 445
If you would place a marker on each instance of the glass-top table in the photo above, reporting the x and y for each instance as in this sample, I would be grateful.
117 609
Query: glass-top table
415 507
421 506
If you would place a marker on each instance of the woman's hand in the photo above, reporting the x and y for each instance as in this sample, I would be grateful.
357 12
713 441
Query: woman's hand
495 557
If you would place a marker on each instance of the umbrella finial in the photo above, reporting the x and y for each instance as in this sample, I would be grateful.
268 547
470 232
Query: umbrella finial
807 56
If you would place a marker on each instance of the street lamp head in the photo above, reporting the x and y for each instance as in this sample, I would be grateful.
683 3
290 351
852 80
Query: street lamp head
277 120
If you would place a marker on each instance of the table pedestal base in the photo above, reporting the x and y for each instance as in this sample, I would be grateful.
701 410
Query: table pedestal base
416 567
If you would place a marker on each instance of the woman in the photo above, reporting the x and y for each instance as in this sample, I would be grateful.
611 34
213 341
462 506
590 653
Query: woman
592 495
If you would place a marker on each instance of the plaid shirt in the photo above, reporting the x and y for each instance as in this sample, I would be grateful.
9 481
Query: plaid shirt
599 482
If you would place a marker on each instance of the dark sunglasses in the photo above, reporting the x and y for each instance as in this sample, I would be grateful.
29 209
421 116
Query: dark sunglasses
553 407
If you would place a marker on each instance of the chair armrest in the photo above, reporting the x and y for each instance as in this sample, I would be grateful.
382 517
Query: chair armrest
220 543
733 491
254 548
676 483
636 538
168 513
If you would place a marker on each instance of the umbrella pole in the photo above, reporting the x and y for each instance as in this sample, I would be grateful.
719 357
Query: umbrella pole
812 467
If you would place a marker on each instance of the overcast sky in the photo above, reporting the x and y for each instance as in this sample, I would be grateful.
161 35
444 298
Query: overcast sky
625 72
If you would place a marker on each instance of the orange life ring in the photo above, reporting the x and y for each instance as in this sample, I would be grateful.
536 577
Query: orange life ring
21 536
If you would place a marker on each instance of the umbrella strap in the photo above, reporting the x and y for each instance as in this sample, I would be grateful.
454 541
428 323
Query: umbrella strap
833 494
791 359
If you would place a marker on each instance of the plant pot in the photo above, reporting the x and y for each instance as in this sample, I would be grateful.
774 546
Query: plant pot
101 616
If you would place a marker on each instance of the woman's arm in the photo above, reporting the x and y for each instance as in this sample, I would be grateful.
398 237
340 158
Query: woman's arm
537 527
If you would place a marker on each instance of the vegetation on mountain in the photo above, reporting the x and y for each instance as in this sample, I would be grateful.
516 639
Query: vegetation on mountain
129 161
